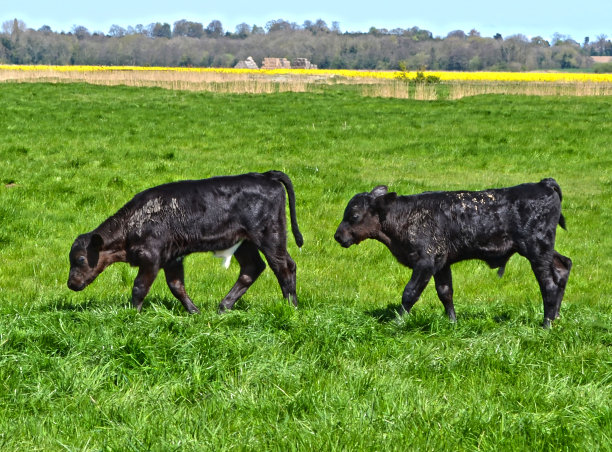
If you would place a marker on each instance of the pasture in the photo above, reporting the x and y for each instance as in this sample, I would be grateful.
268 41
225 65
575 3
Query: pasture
84 371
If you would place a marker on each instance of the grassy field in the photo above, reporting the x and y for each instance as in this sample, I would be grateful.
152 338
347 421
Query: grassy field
83 371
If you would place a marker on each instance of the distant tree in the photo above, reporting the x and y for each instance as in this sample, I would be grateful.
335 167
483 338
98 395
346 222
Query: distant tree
498 37
80 32
214 29
188 29
243 30
274 26
159 30
13 27
456 34
559 39
180 28
539 41
116 31
45 29
320 27
474 33
599 46
140 30
566 57
335 27
196 30
419 35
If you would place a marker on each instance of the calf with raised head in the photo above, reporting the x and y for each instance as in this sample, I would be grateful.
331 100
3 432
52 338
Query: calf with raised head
429 232
239 215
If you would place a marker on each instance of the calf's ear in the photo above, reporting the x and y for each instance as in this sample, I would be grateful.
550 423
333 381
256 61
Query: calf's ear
96 242
93 250
382 202
380 190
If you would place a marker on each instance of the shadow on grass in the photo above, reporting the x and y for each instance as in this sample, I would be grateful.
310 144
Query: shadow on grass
427 321
150 303
385 315
72 306
174 305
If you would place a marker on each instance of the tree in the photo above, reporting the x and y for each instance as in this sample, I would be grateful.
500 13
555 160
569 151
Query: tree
257 30
188 29
274 26
539 41
318 27
159 30
600 45
116 31
80 32
456 34
13 27
214 29
243 30
140 30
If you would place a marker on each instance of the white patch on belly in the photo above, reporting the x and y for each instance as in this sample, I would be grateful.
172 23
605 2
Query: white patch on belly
227 254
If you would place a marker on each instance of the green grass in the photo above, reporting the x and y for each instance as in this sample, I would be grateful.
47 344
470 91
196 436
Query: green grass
83 371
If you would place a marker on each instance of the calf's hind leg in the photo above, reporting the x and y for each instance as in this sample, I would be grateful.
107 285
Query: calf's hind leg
548 288
284 268
251 266
444 288
175 278
561 266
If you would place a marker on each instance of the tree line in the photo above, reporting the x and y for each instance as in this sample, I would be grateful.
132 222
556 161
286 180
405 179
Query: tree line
188 43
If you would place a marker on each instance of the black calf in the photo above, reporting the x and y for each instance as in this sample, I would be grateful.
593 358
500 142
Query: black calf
239 215
431 231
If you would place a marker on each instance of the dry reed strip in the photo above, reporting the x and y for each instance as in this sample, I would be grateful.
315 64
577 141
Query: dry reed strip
454 90
190 81
400 90
459 89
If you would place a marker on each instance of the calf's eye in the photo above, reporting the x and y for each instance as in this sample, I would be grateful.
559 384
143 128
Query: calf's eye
81 260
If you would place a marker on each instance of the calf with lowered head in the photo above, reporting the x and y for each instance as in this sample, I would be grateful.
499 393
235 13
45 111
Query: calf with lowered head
429 232
230 215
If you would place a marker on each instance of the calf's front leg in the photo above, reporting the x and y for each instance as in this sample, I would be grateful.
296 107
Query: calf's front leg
418 281
142 284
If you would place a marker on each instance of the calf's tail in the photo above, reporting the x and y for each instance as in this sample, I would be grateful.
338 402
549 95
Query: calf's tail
551 183
284 179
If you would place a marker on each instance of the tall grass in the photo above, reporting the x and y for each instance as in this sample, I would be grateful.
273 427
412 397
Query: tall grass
83 371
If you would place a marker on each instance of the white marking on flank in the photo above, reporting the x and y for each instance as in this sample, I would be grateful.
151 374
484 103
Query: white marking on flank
227 254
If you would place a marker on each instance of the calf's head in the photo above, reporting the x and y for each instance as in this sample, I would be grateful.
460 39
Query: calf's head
85 262
363 215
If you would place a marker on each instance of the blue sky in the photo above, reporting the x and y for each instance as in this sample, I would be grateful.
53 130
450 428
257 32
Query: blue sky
528 17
